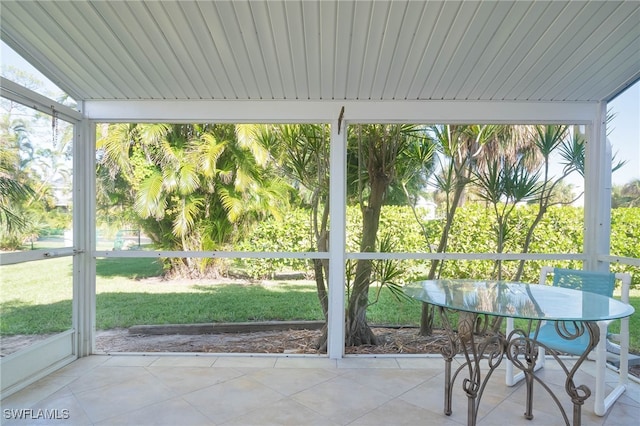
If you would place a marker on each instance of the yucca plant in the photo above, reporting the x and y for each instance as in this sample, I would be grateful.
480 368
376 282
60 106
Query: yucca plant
504 185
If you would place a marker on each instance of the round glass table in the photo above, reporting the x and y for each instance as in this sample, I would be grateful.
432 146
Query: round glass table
518 300
480 306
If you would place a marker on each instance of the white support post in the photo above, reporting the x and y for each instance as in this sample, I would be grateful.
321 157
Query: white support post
84 265
597 206
337 238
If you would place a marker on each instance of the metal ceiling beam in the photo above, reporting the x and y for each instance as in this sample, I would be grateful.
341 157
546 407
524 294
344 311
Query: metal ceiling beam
451 112
31 99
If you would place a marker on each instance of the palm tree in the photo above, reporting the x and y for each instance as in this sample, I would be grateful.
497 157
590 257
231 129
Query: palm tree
12 193
14 190
195 185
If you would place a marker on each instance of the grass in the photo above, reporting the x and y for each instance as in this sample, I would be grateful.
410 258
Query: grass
31 305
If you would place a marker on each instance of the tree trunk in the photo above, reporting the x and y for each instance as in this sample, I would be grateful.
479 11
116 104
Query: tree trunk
428 313
321 266
357 330
322 340
320 286
527 241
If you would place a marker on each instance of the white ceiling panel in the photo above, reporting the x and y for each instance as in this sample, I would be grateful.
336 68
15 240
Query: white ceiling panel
330 50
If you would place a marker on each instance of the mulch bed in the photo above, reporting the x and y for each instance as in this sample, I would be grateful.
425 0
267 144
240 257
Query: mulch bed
392 341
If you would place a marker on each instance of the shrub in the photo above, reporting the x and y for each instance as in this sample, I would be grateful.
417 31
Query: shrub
560 231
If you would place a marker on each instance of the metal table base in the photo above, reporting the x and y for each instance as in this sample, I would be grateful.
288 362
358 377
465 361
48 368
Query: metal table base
479 339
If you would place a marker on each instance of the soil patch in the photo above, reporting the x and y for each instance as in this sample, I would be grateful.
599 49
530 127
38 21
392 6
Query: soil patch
392 341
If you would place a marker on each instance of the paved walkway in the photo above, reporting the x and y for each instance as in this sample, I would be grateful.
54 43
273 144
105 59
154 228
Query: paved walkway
275 390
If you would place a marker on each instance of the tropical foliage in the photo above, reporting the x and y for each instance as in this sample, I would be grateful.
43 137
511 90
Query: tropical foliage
35 174
190 187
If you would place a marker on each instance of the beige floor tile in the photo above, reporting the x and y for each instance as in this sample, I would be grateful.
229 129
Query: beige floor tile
106 376
233 398
633 391
341 400
289 381
245 361
368 362
512 413
429 395
305 362
496 385
392 382
398 412
121 398
60 407
183 380
631 396
175 411
427 362
544 405
285 413
130 361
622 414
184 361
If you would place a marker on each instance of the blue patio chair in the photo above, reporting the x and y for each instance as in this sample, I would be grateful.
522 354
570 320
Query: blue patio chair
596 282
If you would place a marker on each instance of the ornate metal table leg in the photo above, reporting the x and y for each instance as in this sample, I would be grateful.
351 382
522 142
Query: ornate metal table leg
580 393
528 378
478 342
448 352
529 351
448 388
528 347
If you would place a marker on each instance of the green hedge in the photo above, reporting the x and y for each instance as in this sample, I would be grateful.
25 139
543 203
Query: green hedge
560 231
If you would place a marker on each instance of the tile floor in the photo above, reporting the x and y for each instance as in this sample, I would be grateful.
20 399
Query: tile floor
275 390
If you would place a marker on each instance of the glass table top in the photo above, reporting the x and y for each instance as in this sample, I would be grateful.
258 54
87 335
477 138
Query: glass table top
518 300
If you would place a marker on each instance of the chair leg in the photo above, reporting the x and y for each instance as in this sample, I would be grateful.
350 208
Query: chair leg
624 351
601 371
510 379
602 401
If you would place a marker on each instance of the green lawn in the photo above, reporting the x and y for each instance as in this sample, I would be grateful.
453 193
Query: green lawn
32 305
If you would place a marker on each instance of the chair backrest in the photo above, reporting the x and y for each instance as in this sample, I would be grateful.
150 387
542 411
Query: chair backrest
595 282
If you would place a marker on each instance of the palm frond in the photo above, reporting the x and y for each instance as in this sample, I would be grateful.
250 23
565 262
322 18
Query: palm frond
207 154
185 220
188 178
150 201
232 205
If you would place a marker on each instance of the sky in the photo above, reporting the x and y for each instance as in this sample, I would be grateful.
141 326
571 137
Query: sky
623 132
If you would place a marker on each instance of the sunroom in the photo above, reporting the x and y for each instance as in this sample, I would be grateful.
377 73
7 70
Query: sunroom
338 65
